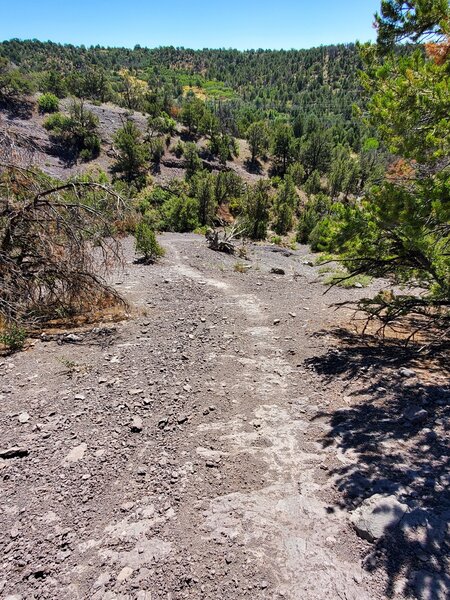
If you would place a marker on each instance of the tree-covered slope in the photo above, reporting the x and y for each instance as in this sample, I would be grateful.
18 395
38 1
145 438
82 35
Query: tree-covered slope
321 80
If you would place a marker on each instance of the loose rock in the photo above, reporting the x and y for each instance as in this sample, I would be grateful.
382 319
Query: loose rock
376 515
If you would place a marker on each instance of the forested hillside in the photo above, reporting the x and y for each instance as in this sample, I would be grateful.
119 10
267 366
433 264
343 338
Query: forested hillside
322 81
315 146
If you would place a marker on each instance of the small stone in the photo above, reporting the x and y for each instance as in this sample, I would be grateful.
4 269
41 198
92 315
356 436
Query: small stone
276 321
136 424
79 397
293 314
277 271
14 452
124 574
72 338
76 453
418 417
358 285
182 419
135 391
406 372
358 577
102 579
24 417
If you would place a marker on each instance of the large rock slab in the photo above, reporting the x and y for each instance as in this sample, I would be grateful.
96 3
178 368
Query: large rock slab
376 515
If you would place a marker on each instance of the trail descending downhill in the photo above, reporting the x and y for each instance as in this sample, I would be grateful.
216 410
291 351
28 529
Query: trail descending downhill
282 521
182 453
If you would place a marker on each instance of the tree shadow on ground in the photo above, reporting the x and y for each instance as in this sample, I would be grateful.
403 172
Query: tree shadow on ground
185 136
398 432
18 109
255 167
67 155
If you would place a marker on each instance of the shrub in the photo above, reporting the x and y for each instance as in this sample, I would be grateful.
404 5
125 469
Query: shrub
241 267
156 149
56 123
283 220
76 131
297 172
193 161
201 230
146 243
13 338
132 154
256 210
322 236
178 149
48 103
314 211
313 184
180 213
14 86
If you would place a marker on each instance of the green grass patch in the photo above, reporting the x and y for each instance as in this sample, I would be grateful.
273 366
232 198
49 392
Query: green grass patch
323 258
210 88
357 281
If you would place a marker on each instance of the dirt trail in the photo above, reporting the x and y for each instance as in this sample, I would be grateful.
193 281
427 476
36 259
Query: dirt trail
182 453
283 522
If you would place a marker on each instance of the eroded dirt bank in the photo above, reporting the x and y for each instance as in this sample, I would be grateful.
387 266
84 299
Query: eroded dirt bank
214 446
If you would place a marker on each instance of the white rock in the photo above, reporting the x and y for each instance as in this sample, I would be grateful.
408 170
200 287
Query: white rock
376 514
102 579
76 453
24 417
136 424
124 573
135 391
406 372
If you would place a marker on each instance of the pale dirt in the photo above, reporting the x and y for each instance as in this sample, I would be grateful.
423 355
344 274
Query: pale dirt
240 482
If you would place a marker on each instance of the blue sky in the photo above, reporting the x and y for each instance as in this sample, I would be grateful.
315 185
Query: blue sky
191 23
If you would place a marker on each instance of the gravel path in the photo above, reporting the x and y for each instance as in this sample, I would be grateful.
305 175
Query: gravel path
183 453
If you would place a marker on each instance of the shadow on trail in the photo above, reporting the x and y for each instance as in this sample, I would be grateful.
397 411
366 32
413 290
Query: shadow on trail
398 432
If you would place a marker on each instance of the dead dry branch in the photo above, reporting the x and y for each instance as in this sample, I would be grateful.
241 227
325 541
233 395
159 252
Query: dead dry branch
56 246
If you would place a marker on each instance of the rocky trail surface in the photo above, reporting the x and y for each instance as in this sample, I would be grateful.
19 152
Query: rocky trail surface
215 446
